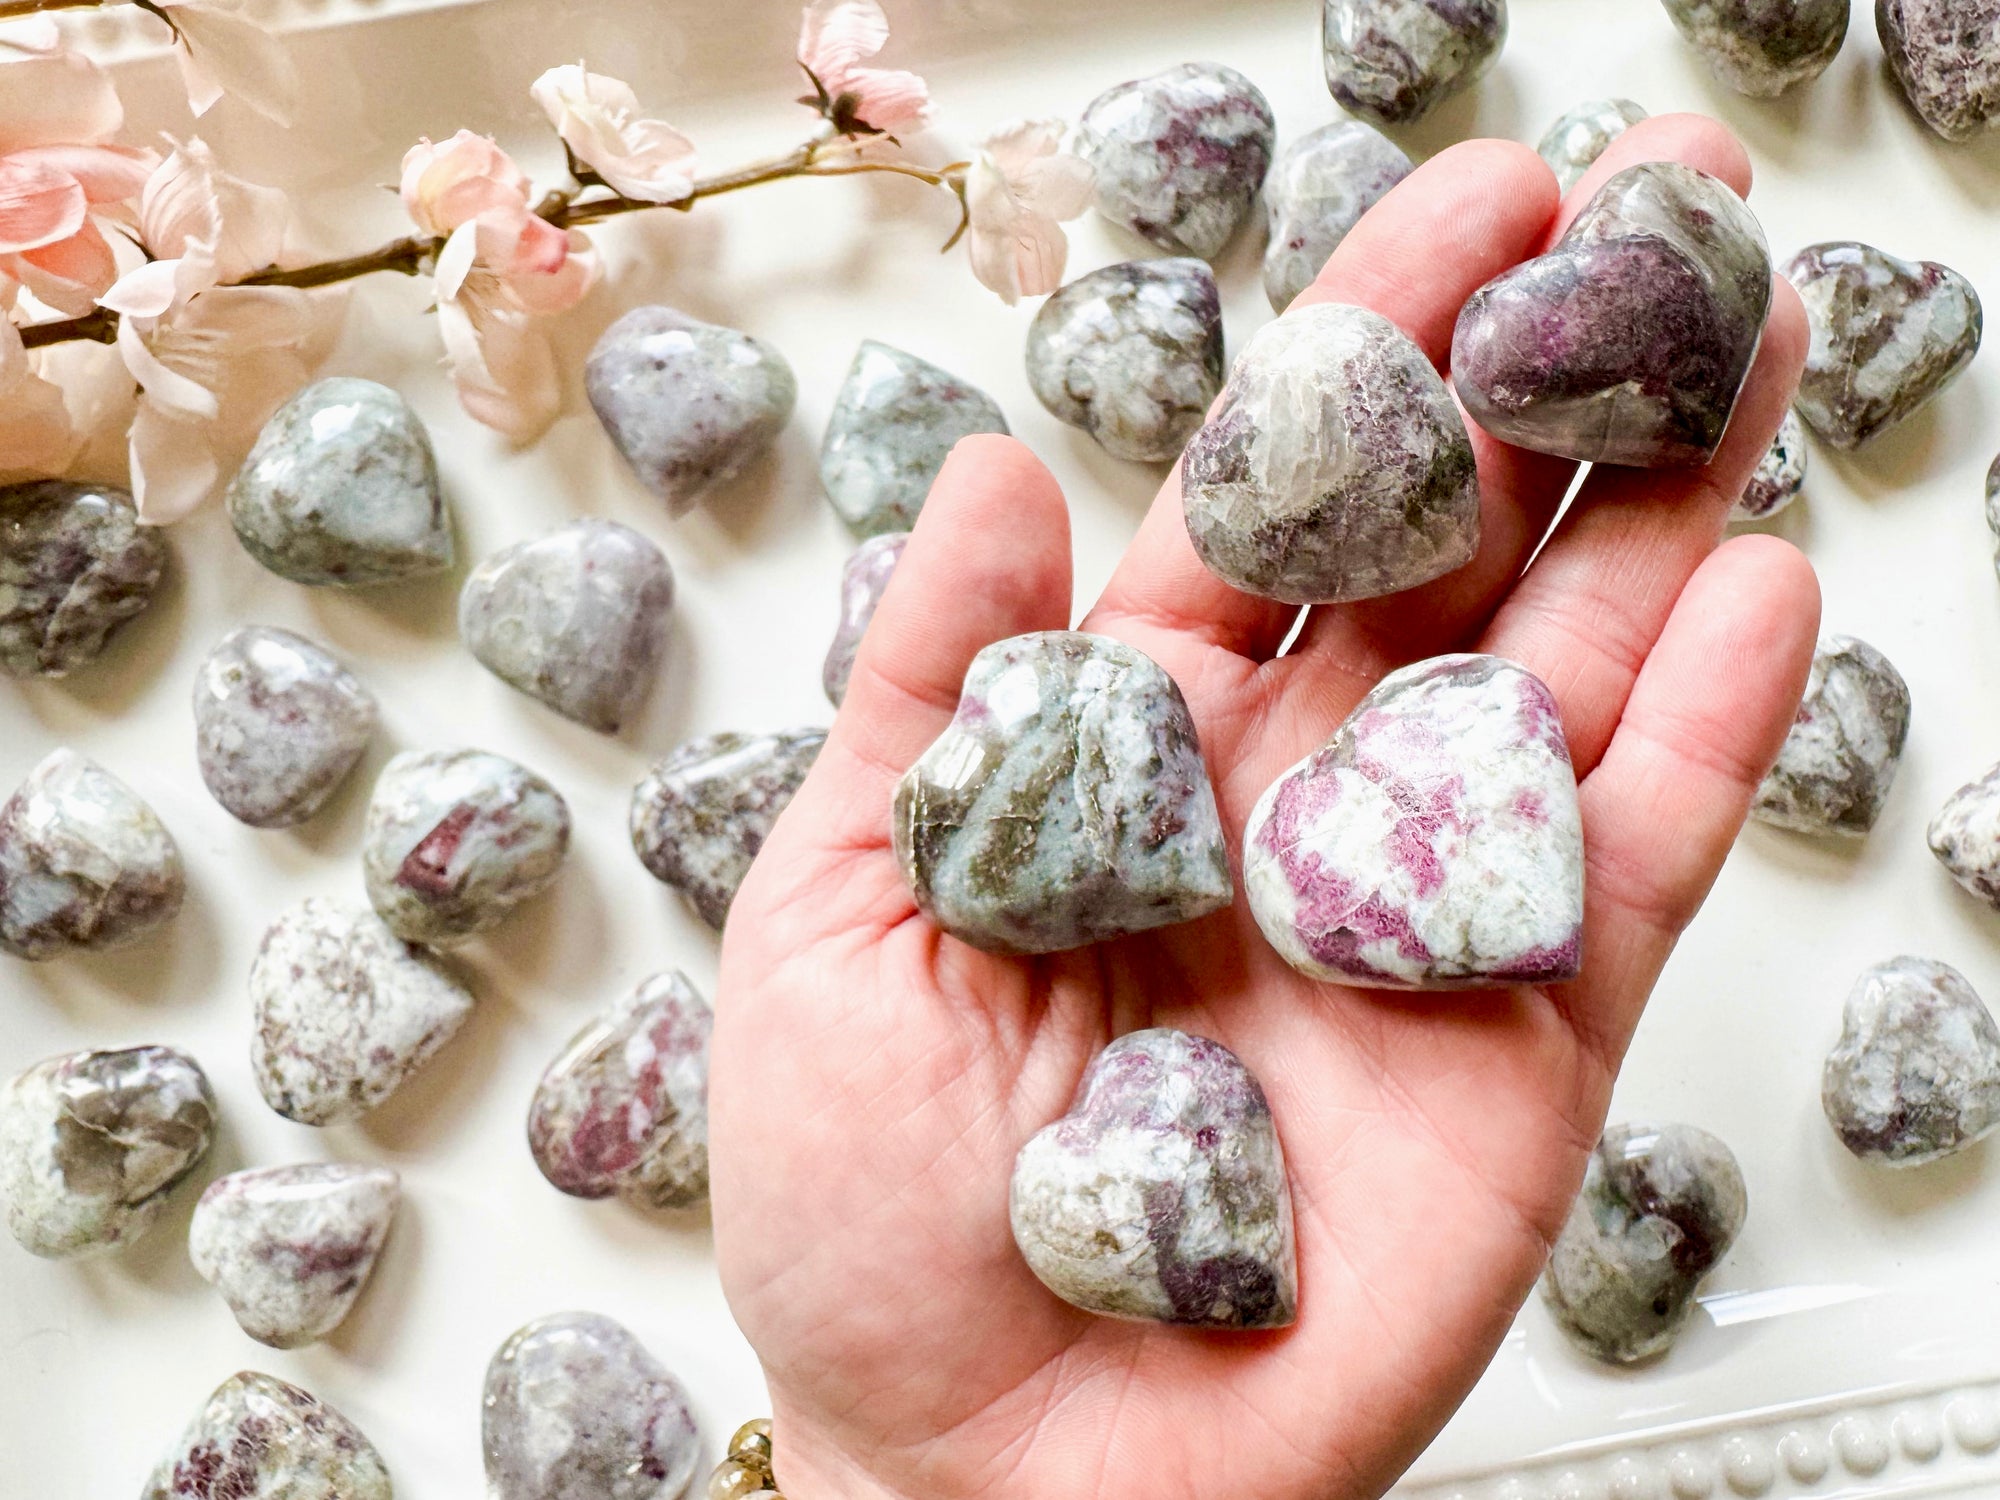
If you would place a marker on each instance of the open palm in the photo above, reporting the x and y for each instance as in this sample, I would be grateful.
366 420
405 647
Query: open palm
872 1079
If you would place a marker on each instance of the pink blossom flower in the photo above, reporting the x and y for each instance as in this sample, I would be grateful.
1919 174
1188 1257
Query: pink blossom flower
222 52
36 437
1020 185
835 39
57 112
598 119
502 266
203 227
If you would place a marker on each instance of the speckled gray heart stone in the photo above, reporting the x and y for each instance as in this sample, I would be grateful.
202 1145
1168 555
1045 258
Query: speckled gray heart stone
1763 47
863 580
1965 836
1580 136
75 565
341 489
576 619
1318 190
258 1438
278 725
689 404
893 424
1834 771
1394 61
1780 474
1945 56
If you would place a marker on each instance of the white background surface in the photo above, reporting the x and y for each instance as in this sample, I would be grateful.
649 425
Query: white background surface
101 1364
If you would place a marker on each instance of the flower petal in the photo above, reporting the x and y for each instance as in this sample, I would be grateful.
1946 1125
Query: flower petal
59 98
36 436
221 53
164 387
145 291
503 368
174 470
446 184
71 274
835 35
888 99
107 174
39 204
1059 186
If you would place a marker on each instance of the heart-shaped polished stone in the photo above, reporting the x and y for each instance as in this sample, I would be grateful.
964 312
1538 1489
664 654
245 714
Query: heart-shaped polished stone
863 581
75 565
1394 61
689 404
1916 1072
289 1248
1066 803
92 1144
1336 466
1993 508
576 618
1179 155
261 1439
85 864
1945 56
1628 342
341 488
1434 842
278 724
1763 47
1887 335
1780 475
577 1409
894 423
1132 354
624 1110
1965 836
1660 1205
456 839
1837 764
1162 1193
343 1011
1318 190
702 813
1580 136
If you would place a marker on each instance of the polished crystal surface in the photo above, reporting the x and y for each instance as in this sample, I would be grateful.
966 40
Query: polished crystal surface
1965 836
1318 189
1394 61
894 423
1336 466
278 725
1162 1194
1945 56
576 618
1179 155
75 565
1066 803
1434 842
258 1438
1887 336
341 489
1763 47
1628 342
1579 137
863 580
1132 354
1781 474
1837 764
689 404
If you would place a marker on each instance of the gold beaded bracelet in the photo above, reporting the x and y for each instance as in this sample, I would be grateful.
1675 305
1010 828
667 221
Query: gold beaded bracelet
746 1473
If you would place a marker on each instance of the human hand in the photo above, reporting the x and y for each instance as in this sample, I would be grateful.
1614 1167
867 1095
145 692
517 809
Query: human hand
872 1079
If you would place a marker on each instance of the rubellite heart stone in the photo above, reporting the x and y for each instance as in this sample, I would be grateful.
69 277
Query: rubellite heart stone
1066 803
894 423
1578 138
1179 155
258 1438
1887 335
289 1248
75 565
1661 1204
1916 1073
1837 764
1433 843
1781 474
1965 836
85 864
1318 190
341 489
624 1110
1945 56
455 840
702 813
1628 342
1336 466
577 1409
343 1012
92 1144
1394 61
1162 1193
576 619
1132 354
689 404
278 724
1763 47
862 583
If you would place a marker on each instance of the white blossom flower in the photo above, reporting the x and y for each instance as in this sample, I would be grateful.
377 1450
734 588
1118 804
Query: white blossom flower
598 119
1020 187
202 227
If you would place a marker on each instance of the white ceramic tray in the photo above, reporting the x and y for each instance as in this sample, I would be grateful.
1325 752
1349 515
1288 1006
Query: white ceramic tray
1860 1312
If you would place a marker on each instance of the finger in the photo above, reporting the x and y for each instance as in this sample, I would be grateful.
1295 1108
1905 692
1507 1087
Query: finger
1520 492
1665 803
1588 612
989 558
1450 226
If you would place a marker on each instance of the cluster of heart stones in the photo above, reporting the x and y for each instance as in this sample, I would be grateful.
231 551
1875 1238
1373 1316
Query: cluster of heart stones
1763 47
1394 61
1660 1206
1834 771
